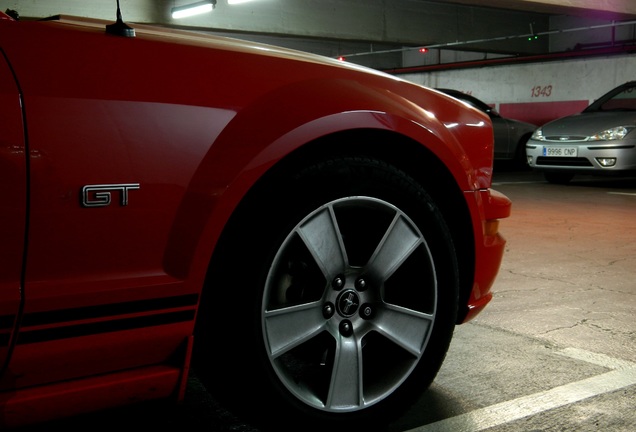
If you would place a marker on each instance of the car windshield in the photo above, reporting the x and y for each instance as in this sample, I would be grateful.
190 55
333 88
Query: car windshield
622 98
472 101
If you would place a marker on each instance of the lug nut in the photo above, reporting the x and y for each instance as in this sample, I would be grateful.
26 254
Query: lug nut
361 284
328 310
346 328
366 311
338 283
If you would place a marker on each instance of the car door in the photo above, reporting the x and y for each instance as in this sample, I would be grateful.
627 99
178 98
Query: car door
106 176
12 206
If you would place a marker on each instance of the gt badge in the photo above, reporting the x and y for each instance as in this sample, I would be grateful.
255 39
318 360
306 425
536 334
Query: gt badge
101 195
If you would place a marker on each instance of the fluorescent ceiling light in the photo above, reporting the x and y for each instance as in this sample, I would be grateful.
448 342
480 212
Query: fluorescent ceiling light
192 9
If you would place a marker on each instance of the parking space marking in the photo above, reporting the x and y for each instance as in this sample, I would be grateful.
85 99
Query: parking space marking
622 193
597 359
623 375
515 182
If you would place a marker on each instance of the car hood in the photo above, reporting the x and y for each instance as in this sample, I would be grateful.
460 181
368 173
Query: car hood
521 125
206 39
586 124
203 70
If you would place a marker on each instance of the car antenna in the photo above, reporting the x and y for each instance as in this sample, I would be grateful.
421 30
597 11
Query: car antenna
119 27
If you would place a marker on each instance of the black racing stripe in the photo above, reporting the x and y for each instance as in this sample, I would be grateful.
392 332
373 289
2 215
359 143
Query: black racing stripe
35 336
110 310
6 325
7 322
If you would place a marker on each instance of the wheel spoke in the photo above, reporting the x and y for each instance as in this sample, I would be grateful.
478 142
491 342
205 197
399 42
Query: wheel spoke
288 327
405 327
345 388
322 237
398 243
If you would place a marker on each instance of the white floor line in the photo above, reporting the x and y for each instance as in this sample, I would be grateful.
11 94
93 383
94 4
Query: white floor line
622 193
596 358
515 182
623 376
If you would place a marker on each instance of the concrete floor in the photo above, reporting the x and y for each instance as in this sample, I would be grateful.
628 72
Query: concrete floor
556 348
569 273
554 351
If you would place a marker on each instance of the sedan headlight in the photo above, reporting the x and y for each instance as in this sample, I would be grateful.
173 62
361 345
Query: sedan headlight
617 133
538 135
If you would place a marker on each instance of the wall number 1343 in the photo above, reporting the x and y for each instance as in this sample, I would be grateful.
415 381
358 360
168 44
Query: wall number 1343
541 91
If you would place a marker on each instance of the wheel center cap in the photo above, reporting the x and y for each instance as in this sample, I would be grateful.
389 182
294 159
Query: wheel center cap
347 303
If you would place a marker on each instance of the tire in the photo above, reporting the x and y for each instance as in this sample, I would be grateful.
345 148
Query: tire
558 178
334 298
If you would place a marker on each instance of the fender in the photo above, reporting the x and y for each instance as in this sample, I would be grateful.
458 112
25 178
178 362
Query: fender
266 136
13 207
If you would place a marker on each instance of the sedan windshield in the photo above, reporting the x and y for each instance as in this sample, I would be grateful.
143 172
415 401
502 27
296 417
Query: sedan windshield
622 98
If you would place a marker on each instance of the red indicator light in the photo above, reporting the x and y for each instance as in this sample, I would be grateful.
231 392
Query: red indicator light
341 58
423 50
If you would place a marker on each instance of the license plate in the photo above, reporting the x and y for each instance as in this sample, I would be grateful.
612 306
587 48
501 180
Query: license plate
560 151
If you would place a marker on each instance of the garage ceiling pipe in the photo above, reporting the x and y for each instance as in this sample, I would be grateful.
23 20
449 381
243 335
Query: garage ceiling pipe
515 60
501 38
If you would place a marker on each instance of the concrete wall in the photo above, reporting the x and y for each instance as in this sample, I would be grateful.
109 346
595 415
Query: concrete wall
537 92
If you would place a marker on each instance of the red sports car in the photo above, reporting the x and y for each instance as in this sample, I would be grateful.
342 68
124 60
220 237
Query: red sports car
301 232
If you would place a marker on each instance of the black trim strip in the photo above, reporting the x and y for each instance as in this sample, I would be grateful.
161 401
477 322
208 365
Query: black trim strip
622 147
109 310
7 322
35 336
4 340
562 161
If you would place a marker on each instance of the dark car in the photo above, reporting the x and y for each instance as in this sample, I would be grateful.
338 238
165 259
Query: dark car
299 231
510 135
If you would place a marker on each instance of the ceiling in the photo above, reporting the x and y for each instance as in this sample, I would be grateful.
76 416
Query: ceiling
605 9
384 33
597 27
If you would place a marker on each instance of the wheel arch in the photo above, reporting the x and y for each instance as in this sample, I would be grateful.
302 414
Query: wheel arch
240 159
404 153
352 146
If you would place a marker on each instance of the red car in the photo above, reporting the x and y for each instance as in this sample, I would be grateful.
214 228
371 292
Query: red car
301 232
